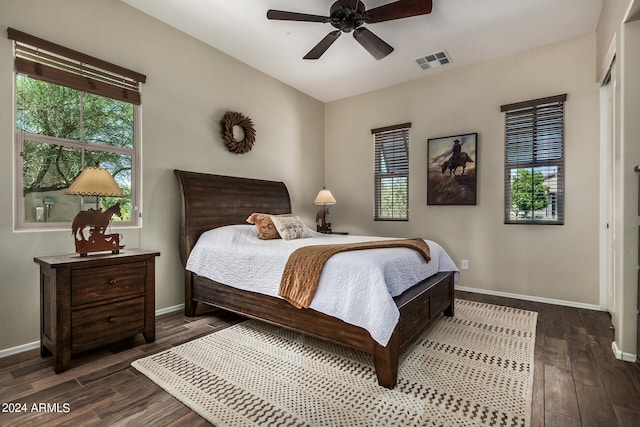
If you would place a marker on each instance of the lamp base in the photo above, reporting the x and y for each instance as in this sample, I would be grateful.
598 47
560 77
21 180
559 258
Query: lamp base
322 226
326 229
97 240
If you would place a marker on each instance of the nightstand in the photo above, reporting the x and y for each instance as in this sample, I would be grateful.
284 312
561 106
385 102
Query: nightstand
89 301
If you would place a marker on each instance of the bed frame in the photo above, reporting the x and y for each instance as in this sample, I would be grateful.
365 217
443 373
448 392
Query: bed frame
210 201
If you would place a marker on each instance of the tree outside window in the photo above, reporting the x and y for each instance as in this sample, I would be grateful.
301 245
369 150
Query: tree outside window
530 194
60 131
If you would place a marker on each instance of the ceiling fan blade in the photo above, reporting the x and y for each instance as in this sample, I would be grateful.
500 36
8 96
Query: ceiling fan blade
399 9
283 15
324 44
374 44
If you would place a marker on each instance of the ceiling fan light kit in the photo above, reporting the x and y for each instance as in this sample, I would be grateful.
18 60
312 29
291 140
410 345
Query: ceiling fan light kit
349 16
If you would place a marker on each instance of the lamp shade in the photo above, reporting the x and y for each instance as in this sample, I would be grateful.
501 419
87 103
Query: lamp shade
95 181
324 197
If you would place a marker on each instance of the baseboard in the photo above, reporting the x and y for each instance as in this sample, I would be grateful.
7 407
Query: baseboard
168 310
531 298
36 344
621 355
19 349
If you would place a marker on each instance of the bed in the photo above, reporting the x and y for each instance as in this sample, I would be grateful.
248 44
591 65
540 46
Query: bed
210 202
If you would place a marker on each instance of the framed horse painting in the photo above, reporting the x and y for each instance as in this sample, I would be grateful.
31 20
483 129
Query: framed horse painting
451 169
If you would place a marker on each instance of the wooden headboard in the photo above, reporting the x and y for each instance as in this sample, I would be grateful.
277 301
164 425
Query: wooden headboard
210 201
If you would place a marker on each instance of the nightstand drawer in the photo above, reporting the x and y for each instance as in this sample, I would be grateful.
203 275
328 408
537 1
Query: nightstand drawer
102 283
107 323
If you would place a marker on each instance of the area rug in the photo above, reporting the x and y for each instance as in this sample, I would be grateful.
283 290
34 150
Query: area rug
472 369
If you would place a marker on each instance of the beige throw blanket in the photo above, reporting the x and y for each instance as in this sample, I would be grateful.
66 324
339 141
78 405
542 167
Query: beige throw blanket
304 266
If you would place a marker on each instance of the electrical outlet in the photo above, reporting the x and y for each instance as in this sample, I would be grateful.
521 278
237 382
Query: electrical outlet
465 264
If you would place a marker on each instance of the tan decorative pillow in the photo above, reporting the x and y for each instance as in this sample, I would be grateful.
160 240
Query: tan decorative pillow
264 225
291 227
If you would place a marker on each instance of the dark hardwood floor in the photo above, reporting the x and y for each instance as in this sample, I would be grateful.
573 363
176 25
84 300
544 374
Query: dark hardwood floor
577 380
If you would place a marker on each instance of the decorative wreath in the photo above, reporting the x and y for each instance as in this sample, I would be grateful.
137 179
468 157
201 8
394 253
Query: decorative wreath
231 119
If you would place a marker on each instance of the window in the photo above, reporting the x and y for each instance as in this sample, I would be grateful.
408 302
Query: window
534 161
72 111
391 186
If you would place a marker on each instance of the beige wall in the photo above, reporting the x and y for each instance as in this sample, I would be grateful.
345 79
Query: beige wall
549 262
181 109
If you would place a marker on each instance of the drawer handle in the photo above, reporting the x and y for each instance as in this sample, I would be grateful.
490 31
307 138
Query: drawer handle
113 319
113 282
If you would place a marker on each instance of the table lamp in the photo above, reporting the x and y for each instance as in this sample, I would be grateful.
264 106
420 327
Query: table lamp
324 199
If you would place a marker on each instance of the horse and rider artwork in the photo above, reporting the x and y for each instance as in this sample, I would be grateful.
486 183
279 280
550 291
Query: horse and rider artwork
95 239
451 170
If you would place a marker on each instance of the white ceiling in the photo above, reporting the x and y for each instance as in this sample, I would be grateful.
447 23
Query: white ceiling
470 31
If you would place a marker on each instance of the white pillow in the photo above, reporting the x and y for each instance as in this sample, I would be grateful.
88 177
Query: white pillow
290 227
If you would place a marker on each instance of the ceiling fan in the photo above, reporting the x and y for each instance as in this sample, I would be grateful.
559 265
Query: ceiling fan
350 15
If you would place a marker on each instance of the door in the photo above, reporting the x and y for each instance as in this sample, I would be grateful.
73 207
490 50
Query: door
608 292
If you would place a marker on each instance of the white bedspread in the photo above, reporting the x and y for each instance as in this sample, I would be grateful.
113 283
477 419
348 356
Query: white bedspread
355 286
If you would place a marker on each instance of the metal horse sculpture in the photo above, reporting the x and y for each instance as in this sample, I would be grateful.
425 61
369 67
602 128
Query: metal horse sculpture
97 240
460 159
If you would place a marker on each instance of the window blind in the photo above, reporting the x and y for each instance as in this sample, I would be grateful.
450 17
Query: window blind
391 187
534 161
52 63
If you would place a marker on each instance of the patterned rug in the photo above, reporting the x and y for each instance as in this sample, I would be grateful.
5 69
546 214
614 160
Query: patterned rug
473 369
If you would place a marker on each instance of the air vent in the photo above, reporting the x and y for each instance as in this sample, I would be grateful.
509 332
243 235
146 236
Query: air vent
434 60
